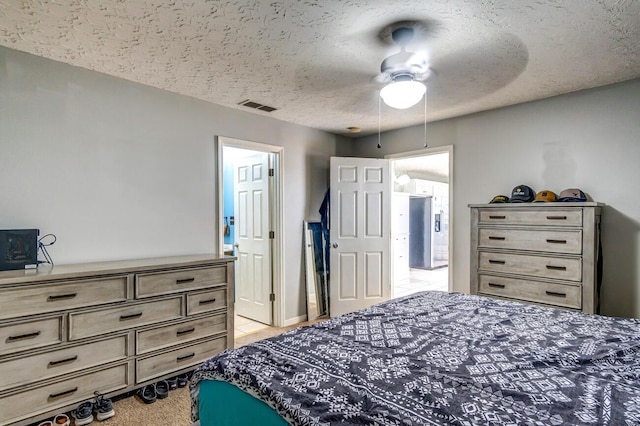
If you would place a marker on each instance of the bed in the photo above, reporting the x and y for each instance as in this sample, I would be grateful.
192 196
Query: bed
432 358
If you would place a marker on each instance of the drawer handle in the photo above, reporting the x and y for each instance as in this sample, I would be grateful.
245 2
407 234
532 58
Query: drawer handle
130 316
61 394
557 268
496 285
61 297
187 331
186 357
557 241
497 217
557 217
498 238
185 280
497 262
23 336
62 361
556 294
207 302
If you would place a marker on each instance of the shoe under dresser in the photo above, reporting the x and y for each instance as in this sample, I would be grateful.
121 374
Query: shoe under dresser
70 330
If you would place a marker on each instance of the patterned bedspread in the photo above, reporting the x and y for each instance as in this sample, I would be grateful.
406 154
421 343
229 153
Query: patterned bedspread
438 359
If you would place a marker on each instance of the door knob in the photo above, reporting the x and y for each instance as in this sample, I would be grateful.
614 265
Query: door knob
236 245
335 245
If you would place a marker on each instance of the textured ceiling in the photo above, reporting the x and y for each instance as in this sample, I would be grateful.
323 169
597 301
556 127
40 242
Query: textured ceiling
314 60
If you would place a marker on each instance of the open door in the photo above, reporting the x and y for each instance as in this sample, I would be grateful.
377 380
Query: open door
360 233
252 239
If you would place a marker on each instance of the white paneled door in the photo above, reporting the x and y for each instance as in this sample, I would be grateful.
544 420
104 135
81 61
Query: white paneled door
253 245
360 233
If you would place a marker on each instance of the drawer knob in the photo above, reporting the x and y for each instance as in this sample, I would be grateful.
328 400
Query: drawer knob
185 357
497 238
497 262
62 361
57 297
556 217
556 294
61 394
557 268
23 336
496 285
207 302
185 280
130 316
187 331
557 241
497 217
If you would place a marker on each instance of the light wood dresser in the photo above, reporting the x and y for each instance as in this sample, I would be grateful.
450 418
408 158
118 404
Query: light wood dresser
70 330
544 253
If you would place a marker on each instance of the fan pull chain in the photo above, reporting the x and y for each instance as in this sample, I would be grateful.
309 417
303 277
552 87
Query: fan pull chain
379 113
425 119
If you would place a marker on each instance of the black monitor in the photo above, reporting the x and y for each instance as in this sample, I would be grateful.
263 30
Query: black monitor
18 248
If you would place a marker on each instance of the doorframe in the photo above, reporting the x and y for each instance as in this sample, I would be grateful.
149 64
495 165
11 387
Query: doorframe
276 216
431 151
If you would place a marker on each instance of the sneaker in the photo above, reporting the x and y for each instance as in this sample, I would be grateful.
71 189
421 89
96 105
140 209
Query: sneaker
183 379
162 389
83 413
147 394
104 407
173 383
61 420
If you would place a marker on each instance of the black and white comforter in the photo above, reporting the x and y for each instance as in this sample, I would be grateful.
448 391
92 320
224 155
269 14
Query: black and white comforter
436 359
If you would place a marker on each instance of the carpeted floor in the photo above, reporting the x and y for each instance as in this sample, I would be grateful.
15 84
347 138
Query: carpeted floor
176 409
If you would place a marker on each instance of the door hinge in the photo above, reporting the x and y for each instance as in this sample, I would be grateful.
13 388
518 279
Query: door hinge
272 235
271 172
272 297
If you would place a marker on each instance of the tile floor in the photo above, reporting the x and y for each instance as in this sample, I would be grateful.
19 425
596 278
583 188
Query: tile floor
419 280
422 280
244 326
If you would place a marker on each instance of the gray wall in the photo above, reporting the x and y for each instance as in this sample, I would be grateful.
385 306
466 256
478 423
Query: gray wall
589 140
120 170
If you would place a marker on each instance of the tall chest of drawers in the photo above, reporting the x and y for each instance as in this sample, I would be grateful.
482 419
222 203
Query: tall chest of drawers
544 253
71 330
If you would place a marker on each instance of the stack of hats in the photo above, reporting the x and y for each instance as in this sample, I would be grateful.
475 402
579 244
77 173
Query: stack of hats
524 194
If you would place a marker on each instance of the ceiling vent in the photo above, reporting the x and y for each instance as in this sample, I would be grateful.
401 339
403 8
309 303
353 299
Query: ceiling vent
255 105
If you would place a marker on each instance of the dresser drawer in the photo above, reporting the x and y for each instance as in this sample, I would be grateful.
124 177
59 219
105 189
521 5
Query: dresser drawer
569 296
30 334
163 337
158 283
158 365
532 216
51 364
68 391
37 299
534 240
535 266
103 321
206 301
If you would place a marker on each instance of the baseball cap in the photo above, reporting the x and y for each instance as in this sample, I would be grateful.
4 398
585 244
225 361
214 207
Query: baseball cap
522 194
545 196
572 194
499 199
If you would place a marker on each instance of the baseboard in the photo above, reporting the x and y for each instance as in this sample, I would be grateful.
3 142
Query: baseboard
294 321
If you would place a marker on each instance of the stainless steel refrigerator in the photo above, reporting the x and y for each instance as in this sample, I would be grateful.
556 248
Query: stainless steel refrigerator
428 237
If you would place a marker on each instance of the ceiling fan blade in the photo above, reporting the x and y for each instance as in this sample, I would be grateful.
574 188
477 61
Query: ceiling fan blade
472 71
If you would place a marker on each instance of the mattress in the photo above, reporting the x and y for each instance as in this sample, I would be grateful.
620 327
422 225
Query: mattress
436 358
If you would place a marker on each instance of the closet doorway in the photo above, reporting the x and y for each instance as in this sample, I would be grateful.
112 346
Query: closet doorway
421 220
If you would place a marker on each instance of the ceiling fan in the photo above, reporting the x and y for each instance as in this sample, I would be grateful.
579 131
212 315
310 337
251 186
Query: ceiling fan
403 71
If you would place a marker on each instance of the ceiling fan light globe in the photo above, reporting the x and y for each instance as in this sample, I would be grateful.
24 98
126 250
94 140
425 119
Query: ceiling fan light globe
402 94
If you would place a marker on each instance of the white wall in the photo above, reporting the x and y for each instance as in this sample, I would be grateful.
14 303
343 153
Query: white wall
119 170
589 140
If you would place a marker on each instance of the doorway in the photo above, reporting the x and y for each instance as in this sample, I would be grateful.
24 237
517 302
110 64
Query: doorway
421 220
249 228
